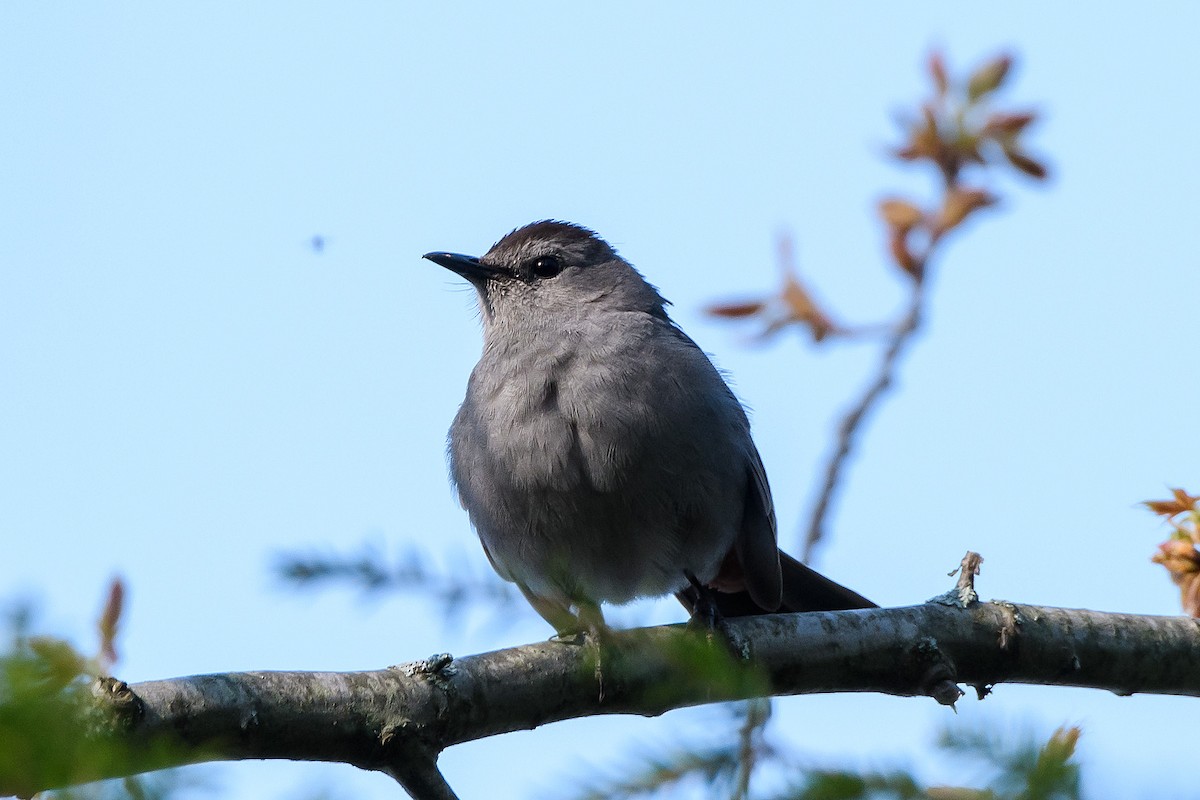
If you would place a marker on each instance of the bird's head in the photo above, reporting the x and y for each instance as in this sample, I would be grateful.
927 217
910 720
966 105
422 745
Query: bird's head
552 270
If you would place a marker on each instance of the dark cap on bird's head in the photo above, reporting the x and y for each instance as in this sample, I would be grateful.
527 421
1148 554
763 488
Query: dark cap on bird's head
553 265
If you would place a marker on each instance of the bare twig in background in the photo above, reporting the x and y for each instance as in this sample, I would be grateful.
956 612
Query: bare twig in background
954 131
853 419
751 747
1021 767
464 586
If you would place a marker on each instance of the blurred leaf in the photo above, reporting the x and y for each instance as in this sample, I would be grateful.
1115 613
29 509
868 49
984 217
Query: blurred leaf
959 793
57 661
960 203
988 78
1179 503
456 590
47 713
840 785
735 310
937 71
1053 775
1178 554
899 213
657 770
1007 126
1182 562
1023 770
109 622
664 771
1027 165
898 245
801 308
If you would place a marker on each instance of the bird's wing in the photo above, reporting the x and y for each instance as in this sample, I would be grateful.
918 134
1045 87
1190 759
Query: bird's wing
756 545
774 580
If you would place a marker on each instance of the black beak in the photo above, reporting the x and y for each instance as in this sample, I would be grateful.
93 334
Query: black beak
469 267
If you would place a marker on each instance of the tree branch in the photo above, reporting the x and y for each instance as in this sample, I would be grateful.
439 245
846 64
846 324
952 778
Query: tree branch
397 720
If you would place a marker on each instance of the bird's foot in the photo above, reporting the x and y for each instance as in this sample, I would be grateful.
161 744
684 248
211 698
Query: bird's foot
585 625
706 618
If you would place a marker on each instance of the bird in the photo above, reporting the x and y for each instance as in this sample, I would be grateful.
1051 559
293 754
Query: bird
600 455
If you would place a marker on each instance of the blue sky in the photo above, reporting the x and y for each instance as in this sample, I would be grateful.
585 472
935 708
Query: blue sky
188 389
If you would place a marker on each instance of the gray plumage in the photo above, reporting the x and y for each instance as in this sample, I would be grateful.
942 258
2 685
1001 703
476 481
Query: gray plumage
600 455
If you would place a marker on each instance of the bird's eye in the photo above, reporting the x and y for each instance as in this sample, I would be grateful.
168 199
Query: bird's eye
546 266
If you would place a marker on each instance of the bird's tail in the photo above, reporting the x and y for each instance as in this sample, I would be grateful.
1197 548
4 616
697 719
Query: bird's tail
804 589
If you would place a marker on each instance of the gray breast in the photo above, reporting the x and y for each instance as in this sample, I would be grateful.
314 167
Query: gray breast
590 473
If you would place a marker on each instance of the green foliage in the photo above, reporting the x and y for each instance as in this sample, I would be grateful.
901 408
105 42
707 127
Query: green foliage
1023 770
724 770
48 715
456 590
1020 770
42 688
839 785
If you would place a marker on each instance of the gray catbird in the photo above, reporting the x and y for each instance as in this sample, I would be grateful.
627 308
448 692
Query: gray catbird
599 453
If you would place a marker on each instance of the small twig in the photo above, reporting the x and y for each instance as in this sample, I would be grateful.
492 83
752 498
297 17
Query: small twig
758 711
955 130
967 570
852 422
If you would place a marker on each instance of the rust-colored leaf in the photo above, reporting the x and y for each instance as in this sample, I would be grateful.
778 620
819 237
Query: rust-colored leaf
1191 501
1005 126
1189 596
110 620
803 309
1031 167
736 310
900 213
1179 503
937 71
1180 558
1165 508
904 258
959 204
1182 563
989 77
929 114
922 145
